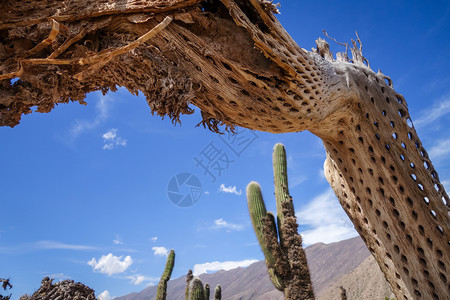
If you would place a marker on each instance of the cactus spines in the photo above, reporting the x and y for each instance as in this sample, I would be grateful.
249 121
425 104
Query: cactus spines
196 291
162 286
218 293
285 257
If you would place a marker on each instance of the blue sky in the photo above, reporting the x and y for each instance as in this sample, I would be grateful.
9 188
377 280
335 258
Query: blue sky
84 188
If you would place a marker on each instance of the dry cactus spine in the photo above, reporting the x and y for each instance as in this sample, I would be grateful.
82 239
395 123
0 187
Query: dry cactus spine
283 251
162 286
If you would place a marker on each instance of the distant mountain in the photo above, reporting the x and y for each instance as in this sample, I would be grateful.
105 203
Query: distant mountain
364 282
347 263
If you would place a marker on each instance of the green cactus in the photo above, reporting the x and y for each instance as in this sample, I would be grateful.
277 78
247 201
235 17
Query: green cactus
207 291
195 290
189 278
285 257
218 293
162 286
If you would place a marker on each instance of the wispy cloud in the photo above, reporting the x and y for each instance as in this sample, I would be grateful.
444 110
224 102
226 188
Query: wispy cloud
54 245
160 251
440 150
104 295
111 140
102 108
230 189
117 240
111 264
138 279
439 110
154 239
221 223
225 265
325 219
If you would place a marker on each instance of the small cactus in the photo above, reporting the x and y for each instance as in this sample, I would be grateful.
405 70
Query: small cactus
218 293
162 286
344 293
207 291
282 248
189 278
195 290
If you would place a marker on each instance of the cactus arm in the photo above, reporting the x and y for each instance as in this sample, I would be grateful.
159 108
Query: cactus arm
162 286
281 184
218 293
258 211
276 280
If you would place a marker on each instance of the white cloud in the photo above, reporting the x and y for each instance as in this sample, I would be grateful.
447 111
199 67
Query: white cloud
206 193
154 239
221 223
117 242
139 279
160 251
440 150
225 265
110 264
111 140
435 113
229 189
104 296
54 245
326 219
102 108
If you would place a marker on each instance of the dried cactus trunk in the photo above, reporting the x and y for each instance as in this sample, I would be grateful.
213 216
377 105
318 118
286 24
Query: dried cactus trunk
285 257
258 78
162 286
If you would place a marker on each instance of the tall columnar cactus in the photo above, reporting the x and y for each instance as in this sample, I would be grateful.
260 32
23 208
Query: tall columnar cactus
195 290
218 292
162 286
283 251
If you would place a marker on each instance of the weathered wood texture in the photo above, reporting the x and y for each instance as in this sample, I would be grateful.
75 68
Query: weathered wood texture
234 61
